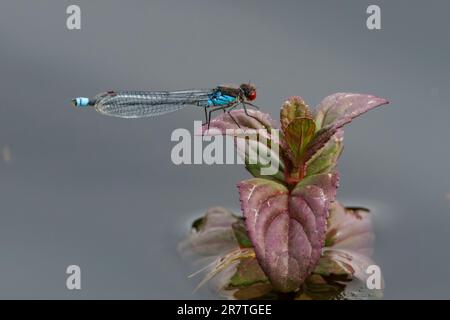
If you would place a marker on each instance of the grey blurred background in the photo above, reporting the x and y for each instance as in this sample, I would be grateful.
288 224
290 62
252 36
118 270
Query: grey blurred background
80 188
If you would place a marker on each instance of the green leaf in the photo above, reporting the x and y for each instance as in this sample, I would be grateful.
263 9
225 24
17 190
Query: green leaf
317 287
325 160
248 272
327 266
262 155
255 170
298 134
256 139
261 291
293 108
240 232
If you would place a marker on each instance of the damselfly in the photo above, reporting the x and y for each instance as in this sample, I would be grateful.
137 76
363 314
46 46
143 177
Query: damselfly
139 104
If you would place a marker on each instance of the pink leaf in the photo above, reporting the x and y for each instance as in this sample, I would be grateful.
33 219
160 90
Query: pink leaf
334 112
350 228
256 139
287 230
213 235
342 107
238 119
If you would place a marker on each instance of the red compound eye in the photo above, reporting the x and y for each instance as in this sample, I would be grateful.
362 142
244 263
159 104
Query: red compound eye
252 95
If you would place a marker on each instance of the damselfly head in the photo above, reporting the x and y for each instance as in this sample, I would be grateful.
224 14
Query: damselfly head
249 91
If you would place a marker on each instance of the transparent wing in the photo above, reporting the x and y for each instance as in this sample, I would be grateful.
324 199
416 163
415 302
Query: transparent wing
139 104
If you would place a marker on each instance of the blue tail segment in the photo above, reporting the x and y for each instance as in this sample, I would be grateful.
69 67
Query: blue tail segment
81 102
219 99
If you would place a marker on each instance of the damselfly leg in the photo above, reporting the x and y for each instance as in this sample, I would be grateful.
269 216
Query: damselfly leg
227 108
231 116
250 104
244 105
